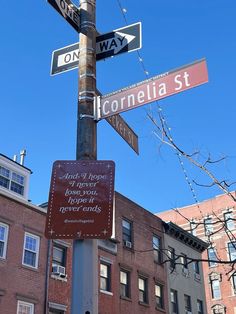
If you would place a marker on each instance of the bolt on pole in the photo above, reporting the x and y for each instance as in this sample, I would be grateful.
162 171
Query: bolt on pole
84 295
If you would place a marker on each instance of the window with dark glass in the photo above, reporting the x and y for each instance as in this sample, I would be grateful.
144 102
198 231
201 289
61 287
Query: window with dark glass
127 232
105 276
125 284
54 311
184 261
208 226
143 293
196 267
171 254
229 220
17 183
212 257
12 180
234 282
59 255
187 303
159 295
156 242
174 302
193 228
4 177
232 250
200 307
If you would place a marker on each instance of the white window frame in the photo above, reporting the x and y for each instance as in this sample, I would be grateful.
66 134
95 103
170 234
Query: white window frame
36 252
29 305
11 180
5 240
208 226
229 222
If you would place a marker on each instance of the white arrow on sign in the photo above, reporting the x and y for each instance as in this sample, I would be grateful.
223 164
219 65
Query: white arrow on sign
111 44
121 40
115 44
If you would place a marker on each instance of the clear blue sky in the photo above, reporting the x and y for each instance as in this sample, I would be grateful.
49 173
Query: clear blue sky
38 112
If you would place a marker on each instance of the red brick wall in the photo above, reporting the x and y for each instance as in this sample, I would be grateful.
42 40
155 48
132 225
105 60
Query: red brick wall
214 208
145 225
17 280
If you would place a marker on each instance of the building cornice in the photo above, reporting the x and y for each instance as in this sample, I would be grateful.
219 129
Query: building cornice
185 237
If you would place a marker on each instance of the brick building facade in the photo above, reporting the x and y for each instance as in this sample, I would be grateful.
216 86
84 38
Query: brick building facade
213 221
35 273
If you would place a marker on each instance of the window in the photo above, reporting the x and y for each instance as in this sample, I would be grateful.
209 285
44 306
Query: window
59 255
3 239
171 254
142 286
159 296
12 180
218 309
105 276
59 260
4 177
233 278
229 220
212 257
184 261
31 250
174 302
193 228
196 267
208 226
54 311
199 307
127 233
215 289
125 284
232 250
156 243
187 303
25 308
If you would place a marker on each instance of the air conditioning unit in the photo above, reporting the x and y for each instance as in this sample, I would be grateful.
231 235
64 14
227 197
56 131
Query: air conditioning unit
59 270
128 244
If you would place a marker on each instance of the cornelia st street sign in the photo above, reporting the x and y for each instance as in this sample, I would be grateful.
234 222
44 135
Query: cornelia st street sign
156 88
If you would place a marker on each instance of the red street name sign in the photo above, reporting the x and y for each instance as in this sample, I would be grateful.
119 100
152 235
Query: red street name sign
119 124
158 87
80 202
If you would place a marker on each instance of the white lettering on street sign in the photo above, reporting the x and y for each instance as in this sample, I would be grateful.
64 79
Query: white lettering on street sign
123 129
125 39
156 88
65 59
121 40
68 58
69 11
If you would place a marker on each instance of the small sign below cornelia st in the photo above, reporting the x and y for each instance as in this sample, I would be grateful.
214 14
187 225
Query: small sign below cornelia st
80 202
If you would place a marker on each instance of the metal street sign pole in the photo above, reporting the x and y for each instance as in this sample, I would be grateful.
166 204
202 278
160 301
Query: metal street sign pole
85 252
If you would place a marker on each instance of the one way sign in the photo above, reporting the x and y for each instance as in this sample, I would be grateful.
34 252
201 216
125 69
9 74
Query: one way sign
69 11
121 40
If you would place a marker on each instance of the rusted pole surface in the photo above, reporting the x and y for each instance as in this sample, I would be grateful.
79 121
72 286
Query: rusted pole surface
84 296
